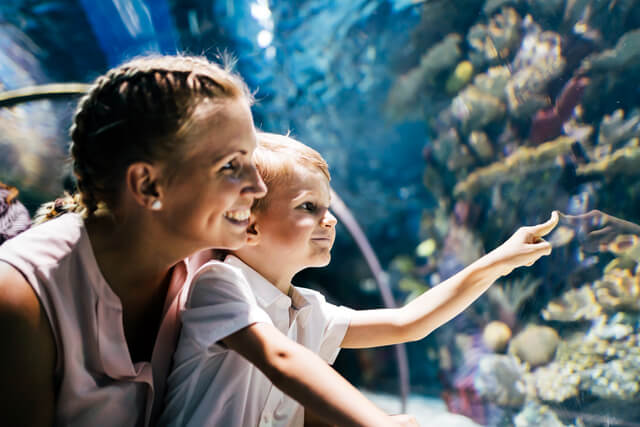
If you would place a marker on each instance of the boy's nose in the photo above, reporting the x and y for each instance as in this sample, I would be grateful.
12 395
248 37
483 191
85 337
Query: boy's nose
329 220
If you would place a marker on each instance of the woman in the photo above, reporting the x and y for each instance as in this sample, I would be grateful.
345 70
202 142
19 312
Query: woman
162 151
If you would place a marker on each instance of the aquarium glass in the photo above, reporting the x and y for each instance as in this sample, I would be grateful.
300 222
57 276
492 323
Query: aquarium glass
447 125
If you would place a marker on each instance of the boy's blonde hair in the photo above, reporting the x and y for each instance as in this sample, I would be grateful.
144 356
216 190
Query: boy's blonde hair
276 158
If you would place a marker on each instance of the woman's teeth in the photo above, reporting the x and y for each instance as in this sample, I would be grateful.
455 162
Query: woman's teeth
238 215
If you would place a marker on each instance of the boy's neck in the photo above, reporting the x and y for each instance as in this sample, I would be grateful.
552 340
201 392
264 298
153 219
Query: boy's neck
277 277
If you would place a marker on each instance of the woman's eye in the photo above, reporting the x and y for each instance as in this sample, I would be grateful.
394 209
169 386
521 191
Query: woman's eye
229 166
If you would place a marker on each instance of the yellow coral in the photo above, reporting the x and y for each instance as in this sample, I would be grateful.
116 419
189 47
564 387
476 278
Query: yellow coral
460 77
521 162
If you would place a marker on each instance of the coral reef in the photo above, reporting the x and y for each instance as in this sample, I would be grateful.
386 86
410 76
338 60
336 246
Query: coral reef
534 414
626 54
495 42
547 124
615 131
575 305
535 108
538 61
475 109
618 290
499 380
514 168
508 297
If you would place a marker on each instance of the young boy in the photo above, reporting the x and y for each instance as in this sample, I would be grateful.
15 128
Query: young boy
253 345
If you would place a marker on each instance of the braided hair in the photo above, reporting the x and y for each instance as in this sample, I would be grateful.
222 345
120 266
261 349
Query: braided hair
142 110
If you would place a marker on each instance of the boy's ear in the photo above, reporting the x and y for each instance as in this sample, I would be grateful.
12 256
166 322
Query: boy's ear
253 235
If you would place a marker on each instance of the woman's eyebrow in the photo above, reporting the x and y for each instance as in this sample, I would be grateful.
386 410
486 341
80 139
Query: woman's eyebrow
223 156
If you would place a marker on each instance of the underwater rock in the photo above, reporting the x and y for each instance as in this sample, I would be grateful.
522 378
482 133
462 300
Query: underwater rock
499 380
625 55
460 77
536 345
618 290
535 414
615 131
574 305
496 336
495 42
516 166
475 109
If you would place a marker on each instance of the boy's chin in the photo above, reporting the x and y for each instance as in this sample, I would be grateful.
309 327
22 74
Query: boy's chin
320 261
324 262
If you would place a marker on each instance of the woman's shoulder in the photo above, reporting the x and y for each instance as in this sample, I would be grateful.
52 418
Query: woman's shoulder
47 242
27 361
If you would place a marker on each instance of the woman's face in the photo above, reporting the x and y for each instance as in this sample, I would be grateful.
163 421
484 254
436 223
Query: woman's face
208 202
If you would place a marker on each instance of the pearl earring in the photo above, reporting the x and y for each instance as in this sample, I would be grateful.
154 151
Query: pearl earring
156 205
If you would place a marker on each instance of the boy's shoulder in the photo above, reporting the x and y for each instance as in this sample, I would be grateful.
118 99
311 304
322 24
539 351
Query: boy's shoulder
216 281
217 270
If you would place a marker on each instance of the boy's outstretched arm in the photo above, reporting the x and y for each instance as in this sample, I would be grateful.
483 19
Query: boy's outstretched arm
303 375
414 321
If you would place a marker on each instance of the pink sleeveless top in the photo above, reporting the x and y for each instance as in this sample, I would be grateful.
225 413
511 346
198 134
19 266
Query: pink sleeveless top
97 382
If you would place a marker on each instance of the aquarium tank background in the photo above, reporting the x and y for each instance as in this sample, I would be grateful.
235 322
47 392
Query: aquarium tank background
447 125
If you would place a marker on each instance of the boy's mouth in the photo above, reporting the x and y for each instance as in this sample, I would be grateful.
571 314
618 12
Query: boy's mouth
323 240
239 216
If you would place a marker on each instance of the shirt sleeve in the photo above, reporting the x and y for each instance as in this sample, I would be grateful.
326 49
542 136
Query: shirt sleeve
220 303
337 320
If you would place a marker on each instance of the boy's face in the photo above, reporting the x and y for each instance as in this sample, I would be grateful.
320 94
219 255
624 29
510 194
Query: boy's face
296 228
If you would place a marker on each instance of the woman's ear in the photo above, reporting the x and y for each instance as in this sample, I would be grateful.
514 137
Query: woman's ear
253 235
143 185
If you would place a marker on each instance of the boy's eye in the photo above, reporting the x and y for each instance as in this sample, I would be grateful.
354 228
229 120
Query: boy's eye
308 206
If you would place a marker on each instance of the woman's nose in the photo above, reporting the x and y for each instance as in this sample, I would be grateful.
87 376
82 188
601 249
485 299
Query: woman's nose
256 185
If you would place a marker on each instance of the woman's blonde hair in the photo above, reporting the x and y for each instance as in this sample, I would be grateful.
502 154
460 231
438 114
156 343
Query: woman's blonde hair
142 110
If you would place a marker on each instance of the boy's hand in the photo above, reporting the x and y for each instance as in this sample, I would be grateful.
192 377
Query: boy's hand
403 420
524 247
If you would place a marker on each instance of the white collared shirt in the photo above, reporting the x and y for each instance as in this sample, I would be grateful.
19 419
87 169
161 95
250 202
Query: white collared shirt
209 384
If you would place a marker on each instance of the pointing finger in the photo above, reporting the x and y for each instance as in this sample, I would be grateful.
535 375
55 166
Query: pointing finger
544 228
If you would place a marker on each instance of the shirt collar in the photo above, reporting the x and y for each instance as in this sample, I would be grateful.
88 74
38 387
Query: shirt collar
266 292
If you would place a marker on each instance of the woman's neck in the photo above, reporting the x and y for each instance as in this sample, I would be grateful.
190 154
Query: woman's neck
133 265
